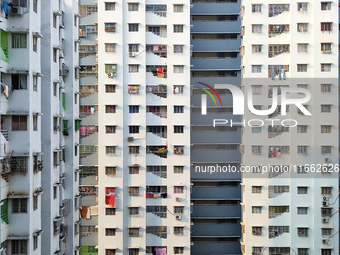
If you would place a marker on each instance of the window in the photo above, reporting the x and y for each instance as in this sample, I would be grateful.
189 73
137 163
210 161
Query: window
179 209
19 41
326 149
302 232
326 129
178 28
326 251
55 192
326 190
326 6
302 47
110 129
19 247
326 108
256 29
35 123
109 6
134 169
19 123
133 149
178 69
178 250
178 169
35 242
256 7
110 231
326 67
110 88
178 129
110 211
302 210
178 89
55 54
326 87
302 150
35 203
19 81
257 231
301 68
326 48
133 251
133 129
178 231
302 190
178 48
257 48
256 68
178 189
110 47
302 251
110 109
257 89
302 27
133 7
35 6
256 150
133 47
256 209
133 68
133 27
110 27
133 232
302 7
55 20
109 252
133 108
256 189
110 170
178 109
110 150
326 26
134 191
133 211
35 44
19 205
178 7
35 83
326 231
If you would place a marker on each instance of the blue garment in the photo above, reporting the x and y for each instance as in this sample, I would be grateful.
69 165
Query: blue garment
5 5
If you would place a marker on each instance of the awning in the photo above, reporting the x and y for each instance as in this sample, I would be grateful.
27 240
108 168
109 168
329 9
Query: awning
38 232
38 74
57 13
17 237
37 35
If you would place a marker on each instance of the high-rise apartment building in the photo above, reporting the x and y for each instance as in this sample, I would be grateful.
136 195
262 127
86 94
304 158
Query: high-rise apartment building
290 45
135 152
216 197
37 188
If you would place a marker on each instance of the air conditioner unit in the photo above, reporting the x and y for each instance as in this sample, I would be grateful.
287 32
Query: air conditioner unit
178 217
132 54
325 203
178 199
130 139
324 241
325 220
327 160
111 75
17 11
324 198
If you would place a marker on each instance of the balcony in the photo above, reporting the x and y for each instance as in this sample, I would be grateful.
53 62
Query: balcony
278 70
277 49
88 190
158 90
277 9
160 30
156 192
159 211
86 70
87 110
157 9
160 111
277 151
160 131
275 231
276 130
87 90
157 49
88 130
159 71
276 30
160 151
160 231
86 150
279 250
275 211
274 191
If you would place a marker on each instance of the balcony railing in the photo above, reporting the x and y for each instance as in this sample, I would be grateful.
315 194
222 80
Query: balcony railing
276 30
158 71
159 50
158 90
160 151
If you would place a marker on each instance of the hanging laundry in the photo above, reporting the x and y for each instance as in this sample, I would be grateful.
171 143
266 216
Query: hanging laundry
112 201
83 211
161 251
5 6
155 48
88 213
82 130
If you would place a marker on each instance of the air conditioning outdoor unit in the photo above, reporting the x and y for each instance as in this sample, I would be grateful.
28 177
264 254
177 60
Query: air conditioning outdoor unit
324 241
130 139
132 54
325 220
178 217
17 11
111 75
325 203
327 160
178 199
